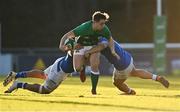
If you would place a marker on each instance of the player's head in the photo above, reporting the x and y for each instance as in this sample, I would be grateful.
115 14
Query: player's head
99 19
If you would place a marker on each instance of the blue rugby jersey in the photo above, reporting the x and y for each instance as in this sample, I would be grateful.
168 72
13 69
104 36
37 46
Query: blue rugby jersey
125 57
66 64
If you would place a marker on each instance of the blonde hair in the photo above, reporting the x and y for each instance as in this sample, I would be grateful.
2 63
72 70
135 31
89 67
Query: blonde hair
98 15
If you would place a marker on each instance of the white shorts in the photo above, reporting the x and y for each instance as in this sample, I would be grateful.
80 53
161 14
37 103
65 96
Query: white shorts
54 77
124 73
82 51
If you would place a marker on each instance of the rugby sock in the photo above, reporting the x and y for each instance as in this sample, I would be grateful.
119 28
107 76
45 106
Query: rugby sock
21 75
129 91
21 85
94 80
154 77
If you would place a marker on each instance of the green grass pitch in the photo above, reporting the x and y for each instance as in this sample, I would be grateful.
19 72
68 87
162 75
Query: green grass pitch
72 95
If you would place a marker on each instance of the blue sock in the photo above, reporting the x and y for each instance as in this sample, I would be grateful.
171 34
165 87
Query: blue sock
21 85
21 75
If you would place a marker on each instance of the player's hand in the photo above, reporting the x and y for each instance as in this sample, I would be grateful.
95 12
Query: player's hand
116 55
66 48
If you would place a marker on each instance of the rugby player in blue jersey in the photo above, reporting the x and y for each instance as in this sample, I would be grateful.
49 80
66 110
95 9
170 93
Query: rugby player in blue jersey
124 66
53 76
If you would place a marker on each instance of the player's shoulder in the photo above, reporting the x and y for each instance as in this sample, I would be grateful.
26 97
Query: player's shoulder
87 23
106 28
106 31
85 26
82 28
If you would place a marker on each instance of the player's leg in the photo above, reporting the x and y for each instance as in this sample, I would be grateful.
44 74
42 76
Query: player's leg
23 85
94 63
78 63
31 74
143 74
25 74
122 86
148 75
55 77
119 78
41 89
78 60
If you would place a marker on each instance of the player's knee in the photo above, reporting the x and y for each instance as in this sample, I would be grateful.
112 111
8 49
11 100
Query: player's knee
115 83
95 67
94 70
78 68
45 90
95 64
48 87
118 82
134 72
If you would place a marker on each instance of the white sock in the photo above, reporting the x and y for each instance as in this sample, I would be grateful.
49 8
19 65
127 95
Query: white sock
95 73
154 77
40 89
129 91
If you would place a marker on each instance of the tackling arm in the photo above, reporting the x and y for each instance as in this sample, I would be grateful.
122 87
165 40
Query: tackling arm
66 36
97 48
107 33
102 45
111 46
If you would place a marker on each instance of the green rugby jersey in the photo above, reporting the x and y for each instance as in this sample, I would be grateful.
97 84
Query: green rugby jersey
87 36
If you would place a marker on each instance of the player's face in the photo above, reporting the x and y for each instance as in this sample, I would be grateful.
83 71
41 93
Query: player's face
100 24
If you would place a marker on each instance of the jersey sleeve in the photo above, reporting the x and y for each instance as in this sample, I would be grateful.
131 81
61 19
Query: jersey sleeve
106 32
79 30
103 40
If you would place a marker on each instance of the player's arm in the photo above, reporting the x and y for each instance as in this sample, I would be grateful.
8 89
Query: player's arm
111 46
97 48
108 35
103 43
64 38
72 34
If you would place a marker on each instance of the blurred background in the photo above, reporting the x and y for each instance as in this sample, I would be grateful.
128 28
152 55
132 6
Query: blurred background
31 31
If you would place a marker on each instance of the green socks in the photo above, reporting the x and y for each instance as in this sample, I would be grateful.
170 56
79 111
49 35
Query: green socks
94 82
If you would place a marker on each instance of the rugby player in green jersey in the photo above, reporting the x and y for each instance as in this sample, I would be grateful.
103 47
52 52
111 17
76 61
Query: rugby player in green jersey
87 35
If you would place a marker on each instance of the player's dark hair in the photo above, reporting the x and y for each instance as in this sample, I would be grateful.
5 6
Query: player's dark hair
97 16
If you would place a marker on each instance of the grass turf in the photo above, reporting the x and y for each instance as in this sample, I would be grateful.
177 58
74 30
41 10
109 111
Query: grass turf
72 95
